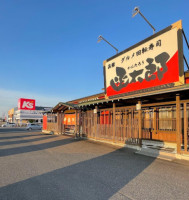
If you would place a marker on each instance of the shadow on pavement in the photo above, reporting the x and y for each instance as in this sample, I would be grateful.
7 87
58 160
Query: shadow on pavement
36 147
14 130
18 136
26 141
98 178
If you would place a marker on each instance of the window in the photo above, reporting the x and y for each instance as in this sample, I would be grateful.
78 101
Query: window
167 118
147 119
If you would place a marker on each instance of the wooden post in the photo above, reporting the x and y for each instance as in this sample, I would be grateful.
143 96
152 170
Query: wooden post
114 122
172 117
132 125
140 123
58 123
95 121
185 127
79 122
63 126
125 127
155 121
104 125
75 123
61 123
178 123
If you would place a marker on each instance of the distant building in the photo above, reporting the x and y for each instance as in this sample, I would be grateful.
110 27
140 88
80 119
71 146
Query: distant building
25 116
11 115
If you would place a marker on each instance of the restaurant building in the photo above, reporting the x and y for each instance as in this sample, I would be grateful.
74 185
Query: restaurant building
146 100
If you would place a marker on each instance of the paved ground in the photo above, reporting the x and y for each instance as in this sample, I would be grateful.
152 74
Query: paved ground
15 129
36 166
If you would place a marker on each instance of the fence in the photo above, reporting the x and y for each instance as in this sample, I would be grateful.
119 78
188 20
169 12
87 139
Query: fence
121 125
102 125
52 127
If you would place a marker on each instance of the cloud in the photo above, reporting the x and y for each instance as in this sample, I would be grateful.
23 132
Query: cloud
9 99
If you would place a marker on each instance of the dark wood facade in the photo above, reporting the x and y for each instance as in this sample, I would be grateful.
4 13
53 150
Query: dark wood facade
161 118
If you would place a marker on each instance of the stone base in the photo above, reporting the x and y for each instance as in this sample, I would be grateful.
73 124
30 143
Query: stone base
136 147
158 149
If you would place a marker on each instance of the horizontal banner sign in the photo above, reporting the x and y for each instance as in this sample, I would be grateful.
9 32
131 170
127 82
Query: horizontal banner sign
153 62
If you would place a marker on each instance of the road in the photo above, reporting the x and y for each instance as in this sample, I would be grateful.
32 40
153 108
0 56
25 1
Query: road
36 166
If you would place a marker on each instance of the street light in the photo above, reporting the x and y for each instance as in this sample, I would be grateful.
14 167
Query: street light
102 38
136 11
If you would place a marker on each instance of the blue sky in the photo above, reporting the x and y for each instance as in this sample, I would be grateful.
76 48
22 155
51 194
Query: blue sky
49 48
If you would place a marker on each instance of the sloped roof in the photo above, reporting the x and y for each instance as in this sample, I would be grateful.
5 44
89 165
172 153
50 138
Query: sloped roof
62 106
93 102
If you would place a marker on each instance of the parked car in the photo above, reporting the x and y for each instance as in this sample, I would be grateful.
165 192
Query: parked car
8 124
33 127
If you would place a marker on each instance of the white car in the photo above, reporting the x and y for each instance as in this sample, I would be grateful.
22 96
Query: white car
33 127
8 124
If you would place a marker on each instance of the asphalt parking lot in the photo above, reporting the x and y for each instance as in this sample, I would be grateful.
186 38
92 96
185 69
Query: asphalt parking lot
38 166
14 129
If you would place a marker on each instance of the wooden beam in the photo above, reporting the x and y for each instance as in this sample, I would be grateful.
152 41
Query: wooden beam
159 104
184 101
152 104
60 108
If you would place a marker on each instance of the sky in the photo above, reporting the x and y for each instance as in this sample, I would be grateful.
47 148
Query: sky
49 49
